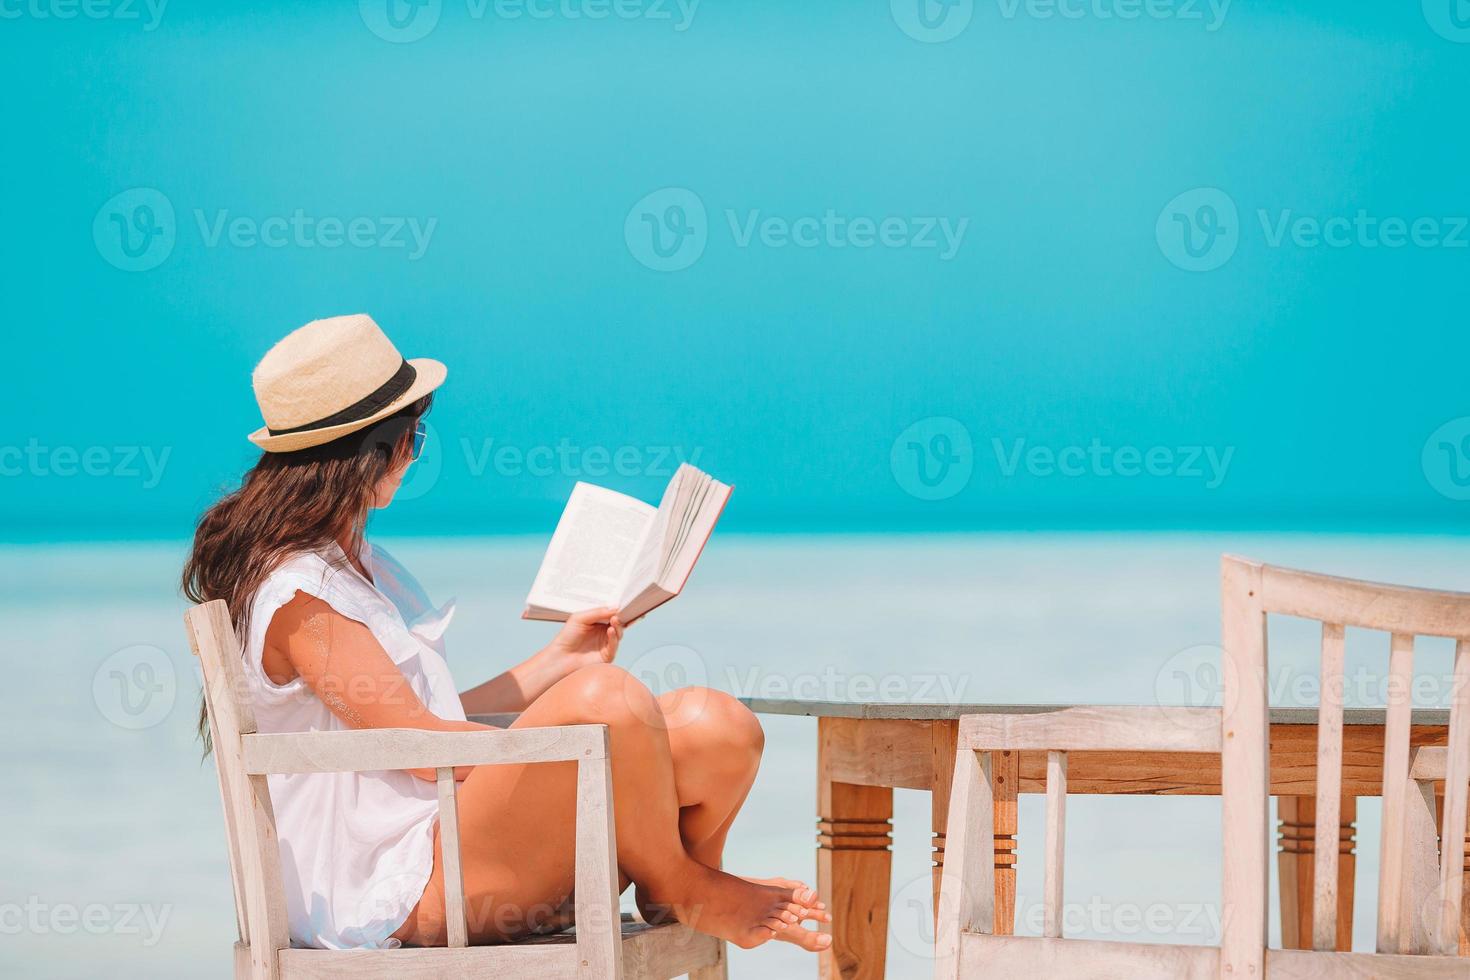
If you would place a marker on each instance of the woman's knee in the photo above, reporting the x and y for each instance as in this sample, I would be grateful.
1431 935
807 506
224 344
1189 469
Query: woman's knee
609 695
717 722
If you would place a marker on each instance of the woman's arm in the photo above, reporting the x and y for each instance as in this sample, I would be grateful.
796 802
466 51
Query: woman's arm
345 666
589 637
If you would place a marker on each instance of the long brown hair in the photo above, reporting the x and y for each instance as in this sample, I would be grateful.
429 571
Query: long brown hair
288 503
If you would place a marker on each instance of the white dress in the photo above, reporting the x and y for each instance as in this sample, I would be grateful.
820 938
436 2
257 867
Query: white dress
356 848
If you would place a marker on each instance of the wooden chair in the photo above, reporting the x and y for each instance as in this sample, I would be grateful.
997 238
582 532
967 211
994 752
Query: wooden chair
603 944
1420 883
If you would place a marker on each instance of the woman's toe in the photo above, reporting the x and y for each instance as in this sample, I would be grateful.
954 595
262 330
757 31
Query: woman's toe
808 939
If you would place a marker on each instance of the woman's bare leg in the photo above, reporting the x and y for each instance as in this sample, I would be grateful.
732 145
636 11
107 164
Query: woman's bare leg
518 831
716 743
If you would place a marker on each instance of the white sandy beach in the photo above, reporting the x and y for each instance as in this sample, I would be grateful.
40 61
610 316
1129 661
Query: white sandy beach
113 858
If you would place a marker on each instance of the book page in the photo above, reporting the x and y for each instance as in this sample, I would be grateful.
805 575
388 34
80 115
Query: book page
592 551
690 503
698 525
651 557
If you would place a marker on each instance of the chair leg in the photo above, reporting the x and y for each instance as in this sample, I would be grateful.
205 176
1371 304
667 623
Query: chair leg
720 971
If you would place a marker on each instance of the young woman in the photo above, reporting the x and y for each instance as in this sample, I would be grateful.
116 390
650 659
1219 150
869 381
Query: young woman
337 635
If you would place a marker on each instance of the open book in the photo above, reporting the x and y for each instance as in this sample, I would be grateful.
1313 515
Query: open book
610 549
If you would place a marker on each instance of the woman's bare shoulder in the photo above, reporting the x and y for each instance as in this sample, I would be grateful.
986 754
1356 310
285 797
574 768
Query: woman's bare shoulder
302 634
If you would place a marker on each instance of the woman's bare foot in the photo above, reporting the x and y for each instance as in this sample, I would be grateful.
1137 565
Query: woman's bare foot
813 908
746 913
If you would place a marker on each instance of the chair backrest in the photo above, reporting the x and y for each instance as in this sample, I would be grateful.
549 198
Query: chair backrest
968 943
255 863
1251 592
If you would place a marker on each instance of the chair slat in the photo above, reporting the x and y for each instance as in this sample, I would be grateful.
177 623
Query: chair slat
1044 958
232 833
595 897
1329 791
967 886
413 748
454 917
1097 729
1244 768
1420 871
1369 605
1056 833
1452 827
1393 838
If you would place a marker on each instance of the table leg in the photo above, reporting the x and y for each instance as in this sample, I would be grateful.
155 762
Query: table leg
946 738
854 871
1298 815
1347 871
1005 768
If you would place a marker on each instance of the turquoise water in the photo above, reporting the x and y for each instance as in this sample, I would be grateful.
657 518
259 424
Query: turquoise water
110 819
1171 230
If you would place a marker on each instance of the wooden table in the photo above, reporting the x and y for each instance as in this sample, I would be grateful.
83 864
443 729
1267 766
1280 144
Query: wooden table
865 751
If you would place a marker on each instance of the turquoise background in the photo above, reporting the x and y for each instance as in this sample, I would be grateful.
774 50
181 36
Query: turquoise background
529 141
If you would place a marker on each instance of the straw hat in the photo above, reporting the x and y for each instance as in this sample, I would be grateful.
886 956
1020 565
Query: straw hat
333 377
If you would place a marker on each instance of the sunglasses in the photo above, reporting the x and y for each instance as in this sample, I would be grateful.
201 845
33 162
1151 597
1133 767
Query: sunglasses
420 433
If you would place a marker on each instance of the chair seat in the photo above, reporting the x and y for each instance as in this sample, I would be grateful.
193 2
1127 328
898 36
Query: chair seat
650 952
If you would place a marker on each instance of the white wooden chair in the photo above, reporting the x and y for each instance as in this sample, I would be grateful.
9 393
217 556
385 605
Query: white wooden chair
602 945
1420 883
